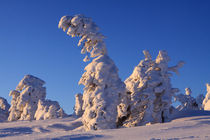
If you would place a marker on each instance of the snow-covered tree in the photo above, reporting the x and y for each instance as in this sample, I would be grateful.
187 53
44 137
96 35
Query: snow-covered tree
103 87
206 101
199 101
48 109
150 90
25 98
78 111
4 109
187 101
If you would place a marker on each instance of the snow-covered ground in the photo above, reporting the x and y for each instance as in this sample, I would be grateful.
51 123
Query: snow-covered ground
190 125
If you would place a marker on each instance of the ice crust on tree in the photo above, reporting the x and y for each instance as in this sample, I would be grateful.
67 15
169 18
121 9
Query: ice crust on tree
206 101
25 98
102 94
187 101
150 90
48 109
103 89
78 111
91 40
4 109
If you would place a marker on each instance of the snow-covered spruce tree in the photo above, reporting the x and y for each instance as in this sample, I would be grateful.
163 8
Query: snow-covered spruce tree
25 98
103 87
206 101
4 109
187 101
151 91
78 111
48 109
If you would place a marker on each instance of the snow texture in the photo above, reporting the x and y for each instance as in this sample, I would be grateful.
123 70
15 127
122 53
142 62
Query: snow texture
25 99
102 94
206 101
193 125
150 90
4 109
91 40
187 101
78 111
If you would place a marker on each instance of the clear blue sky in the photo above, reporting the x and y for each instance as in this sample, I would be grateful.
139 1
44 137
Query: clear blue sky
31 43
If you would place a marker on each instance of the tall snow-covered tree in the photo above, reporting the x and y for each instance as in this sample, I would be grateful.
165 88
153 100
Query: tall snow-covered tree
150 90
103 87
206 101
4 109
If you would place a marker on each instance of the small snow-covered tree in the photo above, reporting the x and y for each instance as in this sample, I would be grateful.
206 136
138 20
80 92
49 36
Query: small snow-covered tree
78 111
206 101
103 87
28 101
48 109
151 91
4 109
187 101
25 98
199 101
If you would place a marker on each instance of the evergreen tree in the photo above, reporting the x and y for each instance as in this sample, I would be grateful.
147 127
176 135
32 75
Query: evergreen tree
150 90
103 88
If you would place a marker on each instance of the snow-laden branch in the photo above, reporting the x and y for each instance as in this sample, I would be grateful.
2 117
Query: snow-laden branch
91 40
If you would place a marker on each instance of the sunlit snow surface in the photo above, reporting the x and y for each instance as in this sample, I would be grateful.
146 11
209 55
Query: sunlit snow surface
186 126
